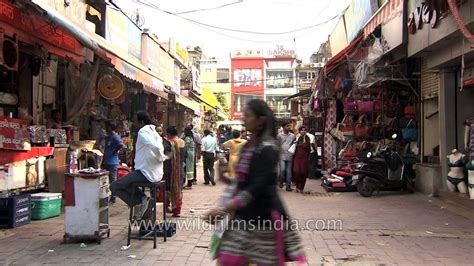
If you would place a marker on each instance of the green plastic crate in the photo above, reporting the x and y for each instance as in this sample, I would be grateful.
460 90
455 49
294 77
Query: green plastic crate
45 205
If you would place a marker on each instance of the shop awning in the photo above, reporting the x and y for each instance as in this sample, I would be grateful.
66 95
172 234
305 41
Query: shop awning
32 27
381 16
222 115
65 24
189 103
301 93
126 64
336 60
129 66
210 98
11 156
207 106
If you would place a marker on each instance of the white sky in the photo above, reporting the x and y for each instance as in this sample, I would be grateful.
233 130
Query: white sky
251 15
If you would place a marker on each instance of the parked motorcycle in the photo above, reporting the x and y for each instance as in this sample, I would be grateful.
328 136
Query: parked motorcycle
383 170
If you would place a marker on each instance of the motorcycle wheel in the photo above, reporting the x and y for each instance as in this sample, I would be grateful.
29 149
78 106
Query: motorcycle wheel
365 189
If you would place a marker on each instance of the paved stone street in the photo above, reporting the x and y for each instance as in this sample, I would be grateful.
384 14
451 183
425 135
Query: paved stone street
390 228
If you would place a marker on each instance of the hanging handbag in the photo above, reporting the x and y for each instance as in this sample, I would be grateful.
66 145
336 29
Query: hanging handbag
393 108
365 106
379 129
350 105
375 89
379 104
393 129
346 127
346 84
348 152
410 109
410 132
343 81
337 84
363 129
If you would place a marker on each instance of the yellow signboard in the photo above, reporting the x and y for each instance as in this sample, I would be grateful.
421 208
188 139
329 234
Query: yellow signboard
182 54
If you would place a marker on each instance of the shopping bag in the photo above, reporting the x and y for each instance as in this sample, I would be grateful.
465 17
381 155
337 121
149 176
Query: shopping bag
221 225
292 148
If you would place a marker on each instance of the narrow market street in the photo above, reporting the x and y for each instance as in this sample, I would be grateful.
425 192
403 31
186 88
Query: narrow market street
388 228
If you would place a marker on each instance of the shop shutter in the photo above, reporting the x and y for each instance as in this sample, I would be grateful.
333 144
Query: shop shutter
429 82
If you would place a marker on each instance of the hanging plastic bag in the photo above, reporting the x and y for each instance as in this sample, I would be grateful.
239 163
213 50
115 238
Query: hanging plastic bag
375 52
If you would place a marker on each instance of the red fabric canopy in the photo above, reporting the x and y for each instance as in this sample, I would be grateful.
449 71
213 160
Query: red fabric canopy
336 60
10 156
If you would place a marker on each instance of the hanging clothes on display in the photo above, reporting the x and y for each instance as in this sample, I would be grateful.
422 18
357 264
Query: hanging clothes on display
330 120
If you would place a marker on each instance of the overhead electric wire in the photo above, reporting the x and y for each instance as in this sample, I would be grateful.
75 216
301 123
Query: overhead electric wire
232 82
209 9
145 2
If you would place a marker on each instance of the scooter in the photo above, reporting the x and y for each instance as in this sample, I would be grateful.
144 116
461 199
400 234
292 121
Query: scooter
384 170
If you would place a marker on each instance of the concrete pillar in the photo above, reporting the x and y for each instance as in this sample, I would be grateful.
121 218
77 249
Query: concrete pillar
447 121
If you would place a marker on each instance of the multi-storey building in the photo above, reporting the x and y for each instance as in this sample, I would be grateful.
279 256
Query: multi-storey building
269 76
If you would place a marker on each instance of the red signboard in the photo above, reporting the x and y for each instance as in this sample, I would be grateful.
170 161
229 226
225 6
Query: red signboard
13 134
37 26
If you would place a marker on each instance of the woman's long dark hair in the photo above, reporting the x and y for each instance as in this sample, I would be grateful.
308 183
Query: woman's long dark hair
188 132
261 109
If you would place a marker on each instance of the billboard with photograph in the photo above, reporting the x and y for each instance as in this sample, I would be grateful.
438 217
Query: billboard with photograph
248 77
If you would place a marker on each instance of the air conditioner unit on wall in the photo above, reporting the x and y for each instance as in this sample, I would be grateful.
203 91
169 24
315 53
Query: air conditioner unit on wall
9 54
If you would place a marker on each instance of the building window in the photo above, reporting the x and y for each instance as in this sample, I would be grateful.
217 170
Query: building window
280 107
223 75
277 79
240 100
248 77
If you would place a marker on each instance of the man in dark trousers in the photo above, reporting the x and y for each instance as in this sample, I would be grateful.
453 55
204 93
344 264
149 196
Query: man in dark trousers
209 149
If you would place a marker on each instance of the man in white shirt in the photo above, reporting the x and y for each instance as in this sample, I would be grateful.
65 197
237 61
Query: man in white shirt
149 158
209 149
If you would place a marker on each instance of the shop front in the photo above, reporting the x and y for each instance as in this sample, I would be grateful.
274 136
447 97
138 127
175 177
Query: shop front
443 45
368 95
34 66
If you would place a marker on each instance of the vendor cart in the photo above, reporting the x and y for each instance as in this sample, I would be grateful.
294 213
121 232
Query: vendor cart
86 206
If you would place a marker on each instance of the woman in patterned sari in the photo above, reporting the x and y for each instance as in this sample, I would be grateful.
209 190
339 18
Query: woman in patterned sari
173 183
189 166
260 230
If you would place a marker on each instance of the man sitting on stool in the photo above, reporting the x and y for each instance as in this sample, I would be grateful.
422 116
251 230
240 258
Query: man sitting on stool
149 158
